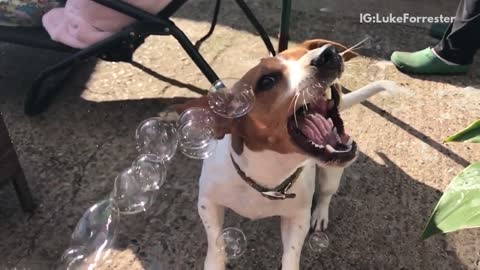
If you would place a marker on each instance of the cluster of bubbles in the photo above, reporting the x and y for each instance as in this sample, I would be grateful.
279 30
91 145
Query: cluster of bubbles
136 187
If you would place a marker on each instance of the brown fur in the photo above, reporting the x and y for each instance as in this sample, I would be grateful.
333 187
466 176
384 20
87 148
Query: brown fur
264 127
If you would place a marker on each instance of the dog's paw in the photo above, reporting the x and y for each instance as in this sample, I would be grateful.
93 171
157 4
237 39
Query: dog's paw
214 265
215 260
391 88
386 84
319 219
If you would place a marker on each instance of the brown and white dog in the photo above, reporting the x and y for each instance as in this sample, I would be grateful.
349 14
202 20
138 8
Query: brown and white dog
272 160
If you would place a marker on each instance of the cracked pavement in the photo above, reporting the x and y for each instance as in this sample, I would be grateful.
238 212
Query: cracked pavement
72 153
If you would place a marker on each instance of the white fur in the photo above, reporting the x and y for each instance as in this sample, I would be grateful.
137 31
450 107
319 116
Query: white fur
222 187
296 73
299 71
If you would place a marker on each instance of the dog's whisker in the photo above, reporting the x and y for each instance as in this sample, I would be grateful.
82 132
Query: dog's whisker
354 46
352 50
358 44
309 93
305 106
292 102
295 112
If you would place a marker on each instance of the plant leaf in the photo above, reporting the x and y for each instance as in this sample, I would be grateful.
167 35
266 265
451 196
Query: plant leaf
459 206
469 134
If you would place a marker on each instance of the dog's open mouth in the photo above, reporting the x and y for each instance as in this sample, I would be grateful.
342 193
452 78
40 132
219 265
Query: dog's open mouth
317 129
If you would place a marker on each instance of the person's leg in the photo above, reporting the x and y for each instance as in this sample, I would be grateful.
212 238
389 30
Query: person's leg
437 30
455 51
462 39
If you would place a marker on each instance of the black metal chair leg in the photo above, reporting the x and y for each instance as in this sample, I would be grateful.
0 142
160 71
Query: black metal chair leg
285 25
37 99
253 20
197 58
23 192
168 28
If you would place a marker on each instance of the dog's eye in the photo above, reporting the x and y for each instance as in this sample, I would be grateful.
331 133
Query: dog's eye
266 82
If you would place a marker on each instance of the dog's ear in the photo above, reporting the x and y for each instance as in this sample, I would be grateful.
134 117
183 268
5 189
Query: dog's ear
317 43
222 125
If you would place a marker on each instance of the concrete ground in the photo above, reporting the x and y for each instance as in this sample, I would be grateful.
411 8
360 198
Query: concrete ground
72 153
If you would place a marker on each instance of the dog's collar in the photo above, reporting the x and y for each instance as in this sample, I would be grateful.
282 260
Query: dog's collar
277 193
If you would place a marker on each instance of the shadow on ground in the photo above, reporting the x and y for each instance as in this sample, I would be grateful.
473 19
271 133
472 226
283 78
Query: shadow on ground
376 220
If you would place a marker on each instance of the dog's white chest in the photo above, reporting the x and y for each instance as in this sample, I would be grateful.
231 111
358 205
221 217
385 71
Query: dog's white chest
220 182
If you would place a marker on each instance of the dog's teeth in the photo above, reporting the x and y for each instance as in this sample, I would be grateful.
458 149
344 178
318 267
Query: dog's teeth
328 94
316 145
331 149
330 104
335 131
336 135
349 142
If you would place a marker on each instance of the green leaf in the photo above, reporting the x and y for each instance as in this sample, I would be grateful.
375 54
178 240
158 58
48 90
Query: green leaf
469 134
459 206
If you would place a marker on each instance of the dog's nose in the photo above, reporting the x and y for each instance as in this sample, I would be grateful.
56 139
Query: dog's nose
328 58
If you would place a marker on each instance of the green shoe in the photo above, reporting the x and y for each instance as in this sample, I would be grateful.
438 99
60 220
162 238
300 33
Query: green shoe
437 30
425 62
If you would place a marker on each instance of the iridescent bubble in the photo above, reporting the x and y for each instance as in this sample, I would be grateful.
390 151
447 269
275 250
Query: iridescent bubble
93 236
318 241
149 172
197 140
157 137
231 98
128 196
199 115
326 10
74 258
232 243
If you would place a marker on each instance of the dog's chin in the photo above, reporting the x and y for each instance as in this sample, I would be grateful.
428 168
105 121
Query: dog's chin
317 129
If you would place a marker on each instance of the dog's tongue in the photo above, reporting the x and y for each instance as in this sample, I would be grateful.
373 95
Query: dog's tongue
318 129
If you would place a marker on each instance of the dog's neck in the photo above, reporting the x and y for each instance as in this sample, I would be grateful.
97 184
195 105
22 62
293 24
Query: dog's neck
267 168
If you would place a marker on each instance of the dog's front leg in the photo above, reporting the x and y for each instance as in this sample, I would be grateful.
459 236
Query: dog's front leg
212 215
294 230
328 180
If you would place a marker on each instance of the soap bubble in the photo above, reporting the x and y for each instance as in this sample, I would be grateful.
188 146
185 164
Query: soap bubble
93 237
157 137
199 115
73 258
326 10
128 196
96 226
231 98
149 172
318 241
196 129
232 242
197 140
